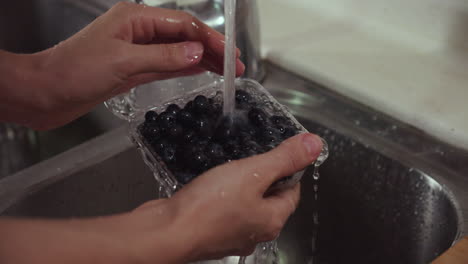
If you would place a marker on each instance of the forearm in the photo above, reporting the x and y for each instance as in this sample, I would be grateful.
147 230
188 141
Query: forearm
144 236
28 242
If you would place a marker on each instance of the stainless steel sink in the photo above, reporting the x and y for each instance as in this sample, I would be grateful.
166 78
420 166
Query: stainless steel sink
31 26
389 193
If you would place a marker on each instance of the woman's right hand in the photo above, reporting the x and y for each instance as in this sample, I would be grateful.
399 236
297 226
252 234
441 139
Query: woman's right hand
221 213
225 211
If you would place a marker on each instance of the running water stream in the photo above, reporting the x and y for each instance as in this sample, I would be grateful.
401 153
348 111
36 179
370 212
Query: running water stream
266 253
230 58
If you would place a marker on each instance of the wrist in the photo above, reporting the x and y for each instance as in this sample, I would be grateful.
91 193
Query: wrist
21 78
157 235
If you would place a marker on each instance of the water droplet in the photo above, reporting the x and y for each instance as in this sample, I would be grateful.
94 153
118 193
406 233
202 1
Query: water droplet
316 174
195 25
172 20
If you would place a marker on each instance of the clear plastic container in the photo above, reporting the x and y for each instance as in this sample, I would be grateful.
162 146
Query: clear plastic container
266 252
214 90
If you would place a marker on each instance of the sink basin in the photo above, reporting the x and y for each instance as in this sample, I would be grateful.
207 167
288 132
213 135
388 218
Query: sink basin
31 26
386 194
371 209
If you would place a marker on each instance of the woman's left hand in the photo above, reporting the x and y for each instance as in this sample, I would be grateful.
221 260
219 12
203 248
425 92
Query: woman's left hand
129 45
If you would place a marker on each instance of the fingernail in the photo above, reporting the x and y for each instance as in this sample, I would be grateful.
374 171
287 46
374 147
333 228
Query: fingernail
193 51
312 143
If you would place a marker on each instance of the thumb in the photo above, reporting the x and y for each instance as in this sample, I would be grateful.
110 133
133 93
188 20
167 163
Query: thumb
291 156
164 57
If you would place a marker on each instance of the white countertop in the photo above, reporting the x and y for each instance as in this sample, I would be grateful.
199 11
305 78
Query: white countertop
399 60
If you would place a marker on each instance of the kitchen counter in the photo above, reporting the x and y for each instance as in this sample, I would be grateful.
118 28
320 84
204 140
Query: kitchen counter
406 65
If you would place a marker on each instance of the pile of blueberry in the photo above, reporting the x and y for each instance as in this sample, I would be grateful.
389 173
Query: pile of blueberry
197 138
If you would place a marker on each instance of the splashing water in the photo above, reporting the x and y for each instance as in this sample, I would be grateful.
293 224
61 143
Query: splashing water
230 58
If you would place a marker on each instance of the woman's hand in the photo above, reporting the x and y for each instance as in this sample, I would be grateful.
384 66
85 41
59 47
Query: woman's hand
221 213
225 211
129 45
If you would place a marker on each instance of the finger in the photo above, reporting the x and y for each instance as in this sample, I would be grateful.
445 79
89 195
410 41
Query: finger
149 23
216 64
174 40
163 57
286 200
145 78
291 156
279 208
212 63
240 68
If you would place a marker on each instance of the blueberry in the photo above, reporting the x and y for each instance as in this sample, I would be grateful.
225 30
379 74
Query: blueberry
189 106
199 162
161 144
217 109
175 131
235 153
168 154
189 136
279 120
250 130
200 105
151 117
243 98
226 129
230 146
289 132
271 131
166 120
173 109
252 145
201 143
239 154
151 133
258 117
245 136
184 177
185 118
270 140
215 151
281 128
203 126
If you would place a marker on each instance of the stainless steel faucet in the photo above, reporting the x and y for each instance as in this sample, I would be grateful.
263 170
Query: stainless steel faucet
211 12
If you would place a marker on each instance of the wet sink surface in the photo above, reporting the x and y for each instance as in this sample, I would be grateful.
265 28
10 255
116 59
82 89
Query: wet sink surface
376 202
371 209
